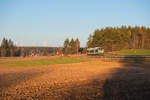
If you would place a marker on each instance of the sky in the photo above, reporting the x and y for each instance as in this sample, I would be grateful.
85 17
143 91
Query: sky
50 22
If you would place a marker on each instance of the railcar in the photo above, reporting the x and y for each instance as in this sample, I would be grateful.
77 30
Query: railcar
95 51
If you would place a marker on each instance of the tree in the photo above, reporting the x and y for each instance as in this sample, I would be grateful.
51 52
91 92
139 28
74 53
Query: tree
45 53
7 48
22 53
4 48
17 51
3 52
11 48
90 39
66 46
77 45
72 45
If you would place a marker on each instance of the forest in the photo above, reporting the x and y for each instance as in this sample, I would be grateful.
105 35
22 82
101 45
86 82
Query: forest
118 38
9 49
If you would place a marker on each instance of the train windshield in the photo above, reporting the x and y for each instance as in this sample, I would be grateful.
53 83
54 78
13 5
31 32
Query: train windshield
101 49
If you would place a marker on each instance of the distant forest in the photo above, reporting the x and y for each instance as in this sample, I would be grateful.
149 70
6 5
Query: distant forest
9 49
117 38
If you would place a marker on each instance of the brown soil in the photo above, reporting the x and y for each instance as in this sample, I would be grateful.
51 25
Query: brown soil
92 80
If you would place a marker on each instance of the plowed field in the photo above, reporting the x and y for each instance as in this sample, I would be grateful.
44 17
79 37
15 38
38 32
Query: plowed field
91 80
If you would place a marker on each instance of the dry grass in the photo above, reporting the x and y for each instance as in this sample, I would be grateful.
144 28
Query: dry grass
92 80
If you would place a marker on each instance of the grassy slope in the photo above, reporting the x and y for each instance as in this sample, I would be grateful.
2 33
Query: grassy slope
135 52
43 62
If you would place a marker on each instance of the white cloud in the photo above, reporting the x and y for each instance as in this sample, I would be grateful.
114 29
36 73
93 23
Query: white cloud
45 43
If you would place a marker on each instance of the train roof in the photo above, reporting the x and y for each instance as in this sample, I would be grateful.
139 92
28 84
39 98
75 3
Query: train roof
93 48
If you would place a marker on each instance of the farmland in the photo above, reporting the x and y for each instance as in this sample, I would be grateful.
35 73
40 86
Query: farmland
73 78
42 62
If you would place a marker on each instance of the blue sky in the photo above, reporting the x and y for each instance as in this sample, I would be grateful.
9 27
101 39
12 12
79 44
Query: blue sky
50 22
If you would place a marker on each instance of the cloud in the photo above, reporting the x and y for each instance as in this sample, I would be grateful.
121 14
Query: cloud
45 43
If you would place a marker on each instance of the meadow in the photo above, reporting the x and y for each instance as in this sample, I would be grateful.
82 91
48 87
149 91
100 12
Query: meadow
42 62
134 52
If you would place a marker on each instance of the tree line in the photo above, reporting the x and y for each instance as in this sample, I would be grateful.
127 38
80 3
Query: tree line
9 49
71 46
117 38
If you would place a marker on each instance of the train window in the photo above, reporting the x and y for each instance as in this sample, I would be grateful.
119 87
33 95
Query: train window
101 49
